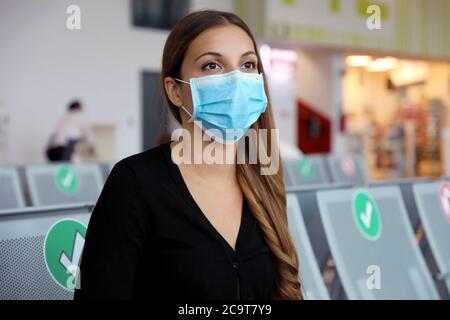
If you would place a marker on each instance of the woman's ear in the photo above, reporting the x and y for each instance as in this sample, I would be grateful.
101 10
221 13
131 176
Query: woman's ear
173 91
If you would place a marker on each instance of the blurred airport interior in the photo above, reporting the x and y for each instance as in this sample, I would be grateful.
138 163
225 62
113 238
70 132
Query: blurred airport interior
358 108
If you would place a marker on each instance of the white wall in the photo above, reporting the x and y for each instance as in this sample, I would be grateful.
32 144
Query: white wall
223 5
43 65
284 108
314 84
319 83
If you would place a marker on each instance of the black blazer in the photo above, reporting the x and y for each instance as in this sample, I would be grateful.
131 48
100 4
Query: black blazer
147 238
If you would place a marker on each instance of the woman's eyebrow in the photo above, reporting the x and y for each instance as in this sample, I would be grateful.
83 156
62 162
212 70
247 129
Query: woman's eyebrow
217 54
208 53
248 53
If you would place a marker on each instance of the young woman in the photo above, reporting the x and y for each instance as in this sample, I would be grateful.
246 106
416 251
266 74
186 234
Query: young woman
167 229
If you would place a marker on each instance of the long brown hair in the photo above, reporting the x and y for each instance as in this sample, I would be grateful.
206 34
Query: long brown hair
265 194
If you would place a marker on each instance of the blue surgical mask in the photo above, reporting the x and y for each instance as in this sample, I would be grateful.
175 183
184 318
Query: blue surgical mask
230 103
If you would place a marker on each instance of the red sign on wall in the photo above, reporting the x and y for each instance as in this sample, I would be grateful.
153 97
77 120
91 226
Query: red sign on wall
314 130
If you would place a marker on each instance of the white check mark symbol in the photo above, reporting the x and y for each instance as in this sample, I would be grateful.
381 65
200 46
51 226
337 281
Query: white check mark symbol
67 180
76 254
366 217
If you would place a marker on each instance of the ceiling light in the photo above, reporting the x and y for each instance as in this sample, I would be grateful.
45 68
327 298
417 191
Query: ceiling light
383 64
359 61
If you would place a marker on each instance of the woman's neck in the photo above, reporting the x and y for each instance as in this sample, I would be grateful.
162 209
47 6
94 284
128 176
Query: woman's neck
216 161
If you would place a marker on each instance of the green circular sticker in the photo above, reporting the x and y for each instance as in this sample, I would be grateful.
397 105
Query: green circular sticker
306 168
67 180
63 247
367 216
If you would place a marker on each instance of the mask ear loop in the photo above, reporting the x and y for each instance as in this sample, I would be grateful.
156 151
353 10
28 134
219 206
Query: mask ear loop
179 80
190 114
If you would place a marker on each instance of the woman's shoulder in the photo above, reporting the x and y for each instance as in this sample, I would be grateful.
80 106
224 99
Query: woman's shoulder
148 164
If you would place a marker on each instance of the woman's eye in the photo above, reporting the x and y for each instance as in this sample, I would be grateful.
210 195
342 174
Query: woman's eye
211 66
249 65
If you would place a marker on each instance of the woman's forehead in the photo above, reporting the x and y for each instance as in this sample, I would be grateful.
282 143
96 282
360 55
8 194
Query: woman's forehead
228 40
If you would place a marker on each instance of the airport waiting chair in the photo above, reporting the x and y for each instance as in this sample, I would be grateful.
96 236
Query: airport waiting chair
57 184
40 251
373 244
309 208
311 277
348 168
286 176
433 203
106 168
406 188
308 170
11 195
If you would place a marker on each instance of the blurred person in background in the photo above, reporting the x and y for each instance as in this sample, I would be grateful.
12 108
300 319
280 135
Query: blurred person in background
71 130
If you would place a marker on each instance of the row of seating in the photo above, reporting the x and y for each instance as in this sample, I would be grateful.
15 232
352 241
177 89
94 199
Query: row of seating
385 240
368 235
324 169
43 209
40 250
317 218
43 185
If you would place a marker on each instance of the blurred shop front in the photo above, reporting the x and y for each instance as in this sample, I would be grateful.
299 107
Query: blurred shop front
342 84
395 111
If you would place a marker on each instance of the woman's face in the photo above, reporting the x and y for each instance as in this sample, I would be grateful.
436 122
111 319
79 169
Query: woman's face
218 50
